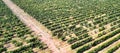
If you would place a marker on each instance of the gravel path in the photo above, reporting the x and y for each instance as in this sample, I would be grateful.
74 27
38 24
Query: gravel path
34 25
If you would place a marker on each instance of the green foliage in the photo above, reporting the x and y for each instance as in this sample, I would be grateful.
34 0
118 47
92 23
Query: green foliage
81 42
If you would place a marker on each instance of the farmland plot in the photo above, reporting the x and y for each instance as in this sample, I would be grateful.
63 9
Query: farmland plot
15 36
88 26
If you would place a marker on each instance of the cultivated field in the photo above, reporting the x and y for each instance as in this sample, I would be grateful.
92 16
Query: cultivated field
80 26
15 37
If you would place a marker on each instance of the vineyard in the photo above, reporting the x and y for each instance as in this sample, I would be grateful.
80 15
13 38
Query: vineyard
15 37
87 26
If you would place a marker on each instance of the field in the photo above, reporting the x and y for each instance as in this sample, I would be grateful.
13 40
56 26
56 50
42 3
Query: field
15 36
85 26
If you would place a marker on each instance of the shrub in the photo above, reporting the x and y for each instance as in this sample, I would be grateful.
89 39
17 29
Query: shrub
81 42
